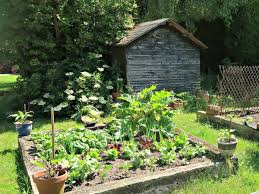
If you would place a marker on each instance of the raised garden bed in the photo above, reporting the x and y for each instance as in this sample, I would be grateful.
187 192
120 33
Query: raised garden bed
147 180
244 129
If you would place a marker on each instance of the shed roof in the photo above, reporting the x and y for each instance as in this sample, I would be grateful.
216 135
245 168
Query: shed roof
144 28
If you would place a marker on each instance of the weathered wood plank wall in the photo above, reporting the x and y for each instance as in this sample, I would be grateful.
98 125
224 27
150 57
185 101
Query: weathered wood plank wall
164 58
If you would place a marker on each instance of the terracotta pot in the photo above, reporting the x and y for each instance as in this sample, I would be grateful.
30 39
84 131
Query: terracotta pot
213 110
116 95
204 95
176 105
227 148
53 185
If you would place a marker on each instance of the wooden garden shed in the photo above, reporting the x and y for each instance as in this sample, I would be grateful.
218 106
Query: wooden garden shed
160 52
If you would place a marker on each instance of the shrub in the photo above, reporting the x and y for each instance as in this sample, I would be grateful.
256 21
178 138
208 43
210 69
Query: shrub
52 38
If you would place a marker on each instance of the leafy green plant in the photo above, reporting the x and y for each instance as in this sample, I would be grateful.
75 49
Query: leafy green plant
189 151
139 159
104 173
181 140
227 135
191 102
51 169
22 117
126 166
129 150
167 157
81 169
112 154
145 113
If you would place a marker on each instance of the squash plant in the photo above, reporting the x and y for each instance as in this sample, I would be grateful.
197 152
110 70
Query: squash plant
145 113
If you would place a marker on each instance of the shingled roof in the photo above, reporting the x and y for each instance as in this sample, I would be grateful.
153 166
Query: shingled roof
144 28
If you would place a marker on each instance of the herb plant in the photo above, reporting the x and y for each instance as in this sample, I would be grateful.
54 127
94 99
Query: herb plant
22 117
227 135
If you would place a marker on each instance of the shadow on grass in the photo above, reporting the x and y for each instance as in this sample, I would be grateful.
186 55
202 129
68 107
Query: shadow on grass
252 159
22 178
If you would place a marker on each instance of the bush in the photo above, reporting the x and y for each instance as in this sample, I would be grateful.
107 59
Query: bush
52 38
191 102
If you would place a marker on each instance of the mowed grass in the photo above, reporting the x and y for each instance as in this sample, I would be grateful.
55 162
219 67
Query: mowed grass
7 81
247 179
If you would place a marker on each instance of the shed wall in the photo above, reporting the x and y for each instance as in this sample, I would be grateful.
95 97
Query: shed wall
164 58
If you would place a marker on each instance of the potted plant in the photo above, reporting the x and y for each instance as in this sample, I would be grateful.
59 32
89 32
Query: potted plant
213 110
177 104
22 124
227 142
203 94
52 179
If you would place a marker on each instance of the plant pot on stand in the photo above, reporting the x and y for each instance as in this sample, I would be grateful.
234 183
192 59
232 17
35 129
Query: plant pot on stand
227 148
227 143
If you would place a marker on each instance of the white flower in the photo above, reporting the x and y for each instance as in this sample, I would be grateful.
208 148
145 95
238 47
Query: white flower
46 95
97 86
69 92
34 102
60 106
93 98
109 87
86 74
41 103
100 69
102 100
69 74
71 97
105 66
83 98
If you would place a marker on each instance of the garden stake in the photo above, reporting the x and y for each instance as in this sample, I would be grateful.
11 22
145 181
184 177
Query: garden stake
52 131
24 107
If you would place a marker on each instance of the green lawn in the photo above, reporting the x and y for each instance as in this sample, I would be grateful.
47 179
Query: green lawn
13 179
7 81
247 179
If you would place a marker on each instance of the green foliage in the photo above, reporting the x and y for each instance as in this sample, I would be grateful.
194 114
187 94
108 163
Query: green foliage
112 154
227 135
191 102
51 39
80 169
189 151
140 159
22 117
145 113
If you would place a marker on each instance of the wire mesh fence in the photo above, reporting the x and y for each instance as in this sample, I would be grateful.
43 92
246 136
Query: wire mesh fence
238 89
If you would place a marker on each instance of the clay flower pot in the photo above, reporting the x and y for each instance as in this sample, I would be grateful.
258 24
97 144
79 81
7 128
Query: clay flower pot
213 110
176 104
53 185
204 95
116 95
227 148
